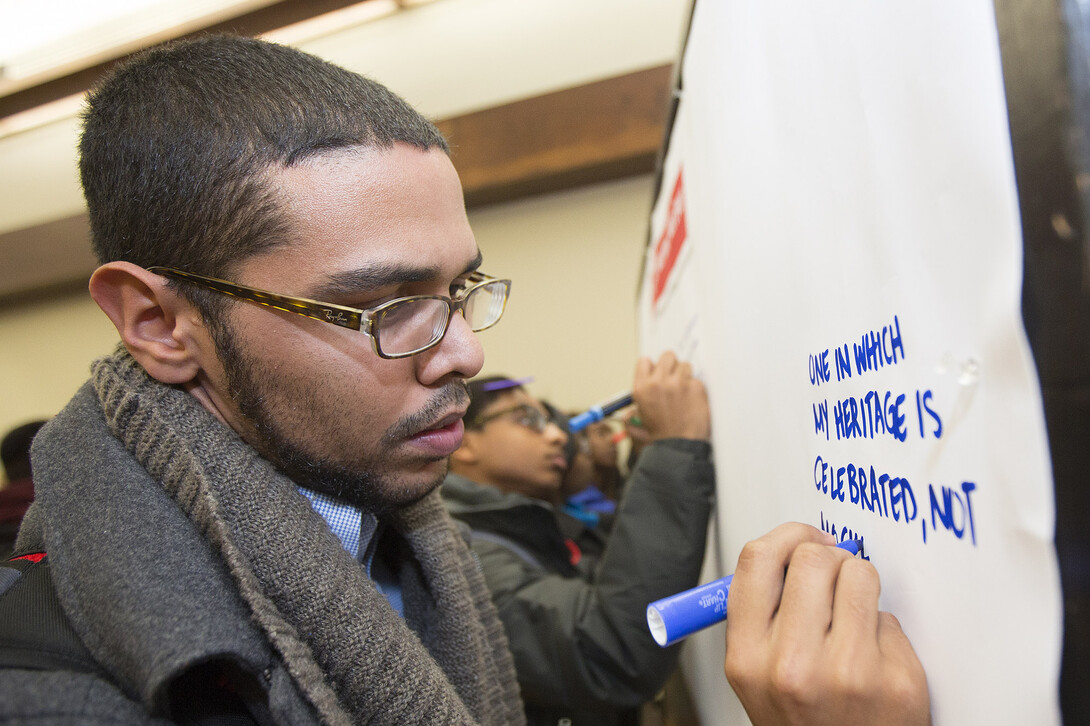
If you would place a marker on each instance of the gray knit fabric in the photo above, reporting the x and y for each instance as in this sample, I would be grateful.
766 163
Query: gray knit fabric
305 591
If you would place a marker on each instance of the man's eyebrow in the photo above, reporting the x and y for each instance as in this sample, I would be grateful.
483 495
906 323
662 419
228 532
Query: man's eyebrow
375 277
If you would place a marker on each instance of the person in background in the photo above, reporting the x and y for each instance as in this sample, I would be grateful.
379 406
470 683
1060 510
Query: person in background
18 493
578 496
601 440
593 483
577 625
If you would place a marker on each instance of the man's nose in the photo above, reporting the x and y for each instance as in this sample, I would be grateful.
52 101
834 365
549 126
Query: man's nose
459 354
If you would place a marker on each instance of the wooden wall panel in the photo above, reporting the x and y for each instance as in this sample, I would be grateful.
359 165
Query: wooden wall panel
592 133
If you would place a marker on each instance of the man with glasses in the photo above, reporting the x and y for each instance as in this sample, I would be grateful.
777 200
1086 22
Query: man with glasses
576 616
237 517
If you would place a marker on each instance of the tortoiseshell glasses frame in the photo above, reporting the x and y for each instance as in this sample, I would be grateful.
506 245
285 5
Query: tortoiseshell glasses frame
397 328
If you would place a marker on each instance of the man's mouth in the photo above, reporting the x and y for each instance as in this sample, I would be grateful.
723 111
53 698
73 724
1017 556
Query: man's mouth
442 438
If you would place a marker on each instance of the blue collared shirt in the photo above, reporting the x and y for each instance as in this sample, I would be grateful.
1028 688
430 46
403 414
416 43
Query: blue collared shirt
359 534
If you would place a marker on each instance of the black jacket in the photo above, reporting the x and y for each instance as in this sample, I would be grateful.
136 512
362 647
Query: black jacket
577 624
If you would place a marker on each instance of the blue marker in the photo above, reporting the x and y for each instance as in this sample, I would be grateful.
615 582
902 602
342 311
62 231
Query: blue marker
679 616
599 412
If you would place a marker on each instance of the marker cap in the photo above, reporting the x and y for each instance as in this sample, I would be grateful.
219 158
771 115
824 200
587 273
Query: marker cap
580 422
678 616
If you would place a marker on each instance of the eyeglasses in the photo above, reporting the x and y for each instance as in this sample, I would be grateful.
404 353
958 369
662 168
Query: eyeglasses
524 415
398 328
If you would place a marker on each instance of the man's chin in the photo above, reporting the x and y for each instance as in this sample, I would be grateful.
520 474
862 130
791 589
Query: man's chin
379 494
419 484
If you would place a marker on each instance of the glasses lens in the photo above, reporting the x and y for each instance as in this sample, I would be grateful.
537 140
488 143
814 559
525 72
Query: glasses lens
484 305
531 418
523 415
411 325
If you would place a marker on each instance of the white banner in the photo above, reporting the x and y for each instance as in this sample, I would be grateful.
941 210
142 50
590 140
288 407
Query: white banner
848 279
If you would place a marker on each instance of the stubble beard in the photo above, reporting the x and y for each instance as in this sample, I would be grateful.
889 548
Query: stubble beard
368 483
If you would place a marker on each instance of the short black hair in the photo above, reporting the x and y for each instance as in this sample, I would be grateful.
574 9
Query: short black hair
483 391
177 144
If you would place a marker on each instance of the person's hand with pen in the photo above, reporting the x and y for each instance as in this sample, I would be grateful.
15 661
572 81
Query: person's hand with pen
674 402
811 647
671 403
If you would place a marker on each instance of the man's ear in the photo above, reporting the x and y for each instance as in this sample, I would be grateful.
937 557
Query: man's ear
156 324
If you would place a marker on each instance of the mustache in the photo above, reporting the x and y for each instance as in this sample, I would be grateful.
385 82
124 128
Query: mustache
453 395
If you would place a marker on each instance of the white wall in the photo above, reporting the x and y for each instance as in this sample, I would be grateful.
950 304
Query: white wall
48 348
573 258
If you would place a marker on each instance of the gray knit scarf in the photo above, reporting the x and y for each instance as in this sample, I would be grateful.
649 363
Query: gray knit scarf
352 656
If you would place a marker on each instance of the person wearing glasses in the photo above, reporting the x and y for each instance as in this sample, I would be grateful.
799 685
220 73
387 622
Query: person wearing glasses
237 518
575 616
